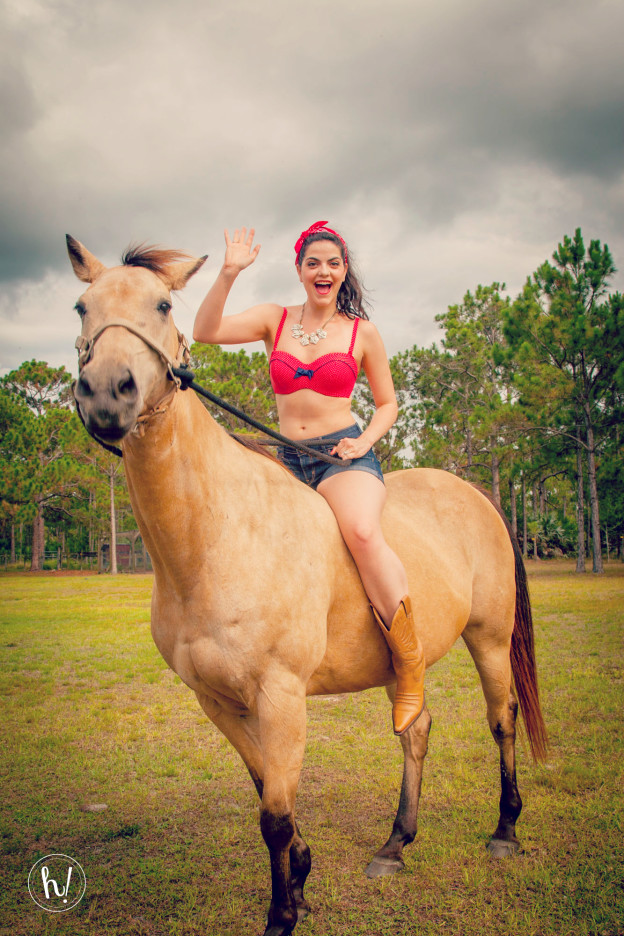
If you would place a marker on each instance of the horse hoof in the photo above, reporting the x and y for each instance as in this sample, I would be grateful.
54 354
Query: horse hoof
499 848
303 911
380 867
280 929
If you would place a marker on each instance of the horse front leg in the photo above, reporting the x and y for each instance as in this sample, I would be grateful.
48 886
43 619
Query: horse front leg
282 720
244 734
389 858
300 859
300 865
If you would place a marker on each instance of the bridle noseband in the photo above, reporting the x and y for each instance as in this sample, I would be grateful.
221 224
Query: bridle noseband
85 347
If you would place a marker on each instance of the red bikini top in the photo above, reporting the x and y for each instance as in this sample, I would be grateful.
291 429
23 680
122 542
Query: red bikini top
332 374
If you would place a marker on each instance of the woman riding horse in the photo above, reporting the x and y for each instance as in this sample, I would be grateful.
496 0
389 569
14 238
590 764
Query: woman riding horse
225 614
313 395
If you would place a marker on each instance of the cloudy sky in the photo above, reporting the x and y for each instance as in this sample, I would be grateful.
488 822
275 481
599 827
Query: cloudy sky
452 142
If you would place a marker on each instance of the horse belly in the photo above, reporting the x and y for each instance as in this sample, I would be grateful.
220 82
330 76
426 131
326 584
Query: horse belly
356 656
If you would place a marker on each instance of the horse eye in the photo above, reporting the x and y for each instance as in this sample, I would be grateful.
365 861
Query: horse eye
164 307
80 309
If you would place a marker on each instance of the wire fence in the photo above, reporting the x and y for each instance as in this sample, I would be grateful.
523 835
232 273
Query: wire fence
87 560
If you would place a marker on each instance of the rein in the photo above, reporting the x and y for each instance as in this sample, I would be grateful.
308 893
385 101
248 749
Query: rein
187 379
183 378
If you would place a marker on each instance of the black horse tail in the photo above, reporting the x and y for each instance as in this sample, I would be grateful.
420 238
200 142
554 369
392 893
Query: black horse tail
523 665
522 652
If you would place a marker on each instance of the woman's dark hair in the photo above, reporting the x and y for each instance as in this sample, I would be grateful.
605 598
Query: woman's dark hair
350 300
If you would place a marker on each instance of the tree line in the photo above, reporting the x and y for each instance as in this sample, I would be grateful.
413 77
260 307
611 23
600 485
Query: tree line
522 396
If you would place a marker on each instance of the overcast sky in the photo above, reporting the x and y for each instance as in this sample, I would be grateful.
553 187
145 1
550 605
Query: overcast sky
452 142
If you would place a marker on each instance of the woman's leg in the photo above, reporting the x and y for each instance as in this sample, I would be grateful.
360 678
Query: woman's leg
357 499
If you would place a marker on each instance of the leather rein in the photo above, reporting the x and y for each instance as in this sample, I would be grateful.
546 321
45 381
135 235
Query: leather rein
183 378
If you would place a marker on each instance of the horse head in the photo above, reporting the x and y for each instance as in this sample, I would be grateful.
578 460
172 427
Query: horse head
129 342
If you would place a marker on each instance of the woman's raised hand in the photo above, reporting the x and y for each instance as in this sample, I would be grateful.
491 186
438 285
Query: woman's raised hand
239 252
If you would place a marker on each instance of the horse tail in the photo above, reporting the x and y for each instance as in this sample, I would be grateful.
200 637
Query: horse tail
523 665
522 652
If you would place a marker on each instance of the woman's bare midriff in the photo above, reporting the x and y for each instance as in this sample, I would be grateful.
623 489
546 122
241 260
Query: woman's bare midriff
307 414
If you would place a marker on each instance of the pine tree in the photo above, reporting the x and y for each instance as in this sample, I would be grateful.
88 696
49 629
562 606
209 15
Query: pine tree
566 328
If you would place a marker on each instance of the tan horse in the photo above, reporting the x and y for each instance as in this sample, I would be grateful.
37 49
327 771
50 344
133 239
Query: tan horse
257 602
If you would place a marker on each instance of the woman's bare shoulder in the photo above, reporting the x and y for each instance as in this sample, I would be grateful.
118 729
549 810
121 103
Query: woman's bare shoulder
273 313
369 334
366 327
267 310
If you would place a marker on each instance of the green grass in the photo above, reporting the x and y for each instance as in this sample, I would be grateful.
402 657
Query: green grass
92 715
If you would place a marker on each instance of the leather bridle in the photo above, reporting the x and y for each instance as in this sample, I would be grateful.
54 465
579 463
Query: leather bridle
85 347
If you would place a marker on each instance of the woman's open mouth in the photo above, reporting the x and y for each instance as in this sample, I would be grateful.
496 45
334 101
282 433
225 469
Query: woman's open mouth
323 289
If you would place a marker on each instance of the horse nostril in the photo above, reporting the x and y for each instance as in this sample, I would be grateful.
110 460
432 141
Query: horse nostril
126 386
83 387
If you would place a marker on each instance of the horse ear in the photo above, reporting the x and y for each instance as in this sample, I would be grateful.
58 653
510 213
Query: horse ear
177 275
86 267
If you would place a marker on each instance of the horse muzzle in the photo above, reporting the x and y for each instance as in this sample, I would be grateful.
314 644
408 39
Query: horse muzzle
109 401
108 398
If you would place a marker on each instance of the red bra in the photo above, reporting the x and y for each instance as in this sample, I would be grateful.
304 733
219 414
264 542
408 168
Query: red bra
332 374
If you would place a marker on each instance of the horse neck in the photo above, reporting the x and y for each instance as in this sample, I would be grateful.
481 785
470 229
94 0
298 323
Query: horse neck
177 474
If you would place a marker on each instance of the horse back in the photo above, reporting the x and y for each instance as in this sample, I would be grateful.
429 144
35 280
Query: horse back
460 567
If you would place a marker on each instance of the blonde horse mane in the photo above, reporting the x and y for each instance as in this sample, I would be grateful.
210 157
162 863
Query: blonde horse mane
152 257
255 446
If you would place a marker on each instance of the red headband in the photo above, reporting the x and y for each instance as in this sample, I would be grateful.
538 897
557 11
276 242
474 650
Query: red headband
317 227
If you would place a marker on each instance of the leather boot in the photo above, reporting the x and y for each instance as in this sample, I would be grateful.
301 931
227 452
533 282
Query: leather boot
408 660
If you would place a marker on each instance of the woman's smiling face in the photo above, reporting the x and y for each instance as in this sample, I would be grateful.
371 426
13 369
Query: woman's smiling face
322 271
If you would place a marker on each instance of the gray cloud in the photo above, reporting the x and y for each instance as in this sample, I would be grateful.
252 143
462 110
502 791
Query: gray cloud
453 142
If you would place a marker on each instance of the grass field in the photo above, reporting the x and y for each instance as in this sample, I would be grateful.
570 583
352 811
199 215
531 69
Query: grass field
91 715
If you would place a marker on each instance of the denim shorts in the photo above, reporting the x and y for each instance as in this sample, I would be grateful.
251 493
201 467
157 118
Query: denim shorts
312 470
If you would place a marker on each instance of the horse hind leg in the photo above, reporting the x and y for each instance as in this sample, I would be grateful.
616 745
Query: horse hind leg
504 842
389 858
494 667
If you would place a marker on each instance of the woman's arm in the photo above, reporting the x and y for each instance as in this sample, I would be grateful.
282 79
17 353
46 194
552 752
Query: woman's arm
252 325
377 369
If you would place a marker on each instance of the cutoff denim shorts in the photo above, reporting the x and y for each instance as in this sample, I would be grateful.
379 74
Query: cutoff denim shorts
312 470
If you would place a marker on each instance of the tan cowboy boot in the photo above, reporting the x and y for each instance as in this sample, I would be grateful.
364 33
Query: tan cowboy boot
408 660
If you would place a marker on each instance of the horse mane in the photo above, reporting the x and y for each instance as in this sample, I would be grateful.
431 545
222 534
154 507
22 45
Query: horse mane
154 258
254 446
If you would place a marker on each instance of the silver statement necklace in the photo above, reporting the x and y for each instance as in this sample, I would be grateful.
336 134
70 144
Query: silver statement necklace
315 336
